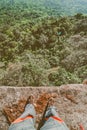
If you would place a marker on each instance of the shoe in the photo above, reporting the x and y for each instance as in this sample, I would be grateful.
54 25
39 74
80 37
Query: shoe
51 102
30 100
51 108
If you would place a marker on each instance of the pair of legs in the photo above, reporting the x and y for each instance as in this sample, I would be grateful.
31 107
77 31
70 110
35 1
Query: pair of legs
27 120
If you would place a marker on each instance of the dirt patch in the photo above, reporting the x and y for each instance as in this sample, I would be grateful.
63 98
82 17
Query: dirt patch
13 111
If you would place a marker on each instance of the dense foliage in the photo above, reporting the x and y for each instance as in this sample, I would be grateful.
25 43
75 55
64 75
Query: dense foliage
39 46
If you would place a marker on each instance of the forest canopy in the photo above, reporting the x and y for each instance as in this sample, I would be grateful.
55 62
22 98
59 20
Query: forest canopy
43 42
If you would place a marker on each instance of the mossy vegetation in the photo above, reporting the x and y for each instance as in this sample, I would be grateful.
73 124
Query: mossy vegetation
39 46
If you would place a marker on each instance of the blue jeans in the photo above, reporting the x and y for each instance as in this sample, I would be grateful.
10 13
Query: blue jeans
27 124
24 125
51 124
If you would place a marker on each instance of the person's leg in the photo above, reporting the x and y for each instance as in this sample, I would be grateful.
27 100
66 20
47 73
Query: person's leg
29 111
26 121
52 120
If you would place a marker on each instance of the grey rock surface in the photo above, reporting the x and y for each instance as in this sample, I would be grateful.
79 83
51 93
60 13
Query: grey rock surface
71 102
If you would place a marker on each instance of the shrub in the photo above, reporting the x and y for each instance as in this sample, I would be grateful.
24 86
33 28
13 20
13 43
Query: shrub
29 72
63 77
75 60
